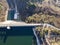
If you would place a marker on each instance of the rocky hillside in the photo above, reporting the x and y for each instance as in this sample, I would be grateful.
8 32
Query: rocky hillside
46 12
3 9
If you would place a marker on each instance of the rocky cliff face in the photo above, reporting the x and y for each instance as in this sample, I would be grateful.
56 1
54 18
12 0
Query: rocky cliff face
4 3
3 8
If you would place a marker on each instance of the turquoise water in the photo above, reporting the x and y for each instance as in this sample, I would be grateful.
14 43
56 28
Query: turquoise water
16 36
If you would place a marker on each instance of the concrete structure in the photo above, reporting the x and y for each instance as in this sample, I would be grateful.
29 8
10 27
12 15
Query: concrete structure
14 23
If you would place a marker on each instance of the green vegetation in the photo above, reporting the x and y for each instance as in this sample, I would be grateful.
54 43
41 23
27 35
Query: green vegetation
39 29
0 7
40 18
43 13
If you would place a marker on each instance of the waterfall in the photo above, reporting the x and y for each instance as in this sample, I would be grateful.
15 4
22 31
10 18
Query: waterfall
16 15
16 7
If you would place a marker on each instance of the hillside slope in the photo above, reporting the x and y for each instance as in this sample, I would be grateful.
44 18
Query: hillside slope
3 9
48 13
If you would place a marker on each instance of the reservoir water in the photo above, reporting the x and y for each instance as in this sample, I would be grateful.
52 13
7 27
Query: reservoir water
16 36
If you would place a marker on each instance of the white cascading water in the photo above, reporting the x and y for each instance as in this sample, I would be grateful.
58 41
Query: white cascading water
16 11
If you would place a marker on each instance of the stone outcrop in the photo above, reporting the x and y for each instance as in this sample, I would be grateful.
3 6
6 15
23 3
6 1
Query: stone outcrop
4 7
